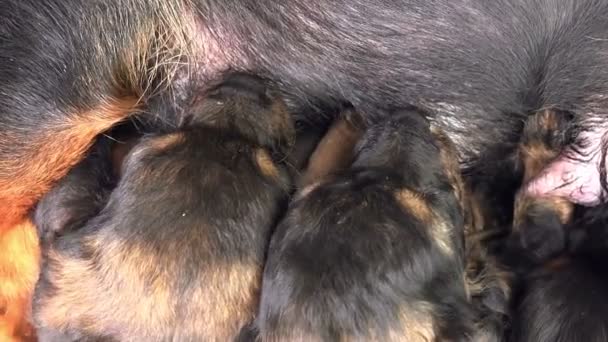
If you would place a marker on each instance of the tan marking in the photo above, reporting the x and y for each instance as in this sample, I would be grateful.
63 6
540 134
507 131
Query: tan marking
563 208
307 190
165 142
333 153
219 309
535 157
547 119
415 204
474 216
533 152
282 124
439 229
416 325
160 50
266 164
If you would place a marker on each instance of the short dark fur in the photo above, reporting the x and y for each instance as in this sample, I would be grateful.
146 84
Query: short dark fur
374 252
477 66
564 300
176 250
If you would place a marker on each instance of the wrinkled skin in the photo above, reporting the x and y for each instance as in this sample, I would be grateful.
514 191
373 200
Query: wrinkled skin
576 175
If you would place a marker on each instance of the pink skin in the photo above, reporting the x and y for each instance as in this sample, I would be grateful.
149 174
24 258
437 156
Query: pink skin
578 181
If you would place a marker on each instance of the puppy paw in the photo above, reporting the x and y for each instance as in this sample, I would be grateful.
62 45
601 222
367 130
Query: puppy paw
539 226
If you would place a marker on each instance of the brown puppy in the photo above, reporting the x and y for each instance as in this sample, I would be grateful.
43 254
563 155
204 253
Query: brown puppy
175 251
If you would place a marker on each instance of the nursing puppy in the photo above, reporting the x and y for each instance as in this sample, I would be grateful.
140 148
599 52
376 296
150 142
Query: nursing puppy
564 298
539 222
375 252
175 250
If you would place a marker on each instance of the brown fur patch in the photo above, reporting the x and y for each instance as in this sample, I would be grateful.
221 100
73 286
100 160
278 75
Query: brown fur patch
24 180
282 123
439 229
228 300
563 208
415 204
535 151
265 164
19 260
334 152
167 141
535 157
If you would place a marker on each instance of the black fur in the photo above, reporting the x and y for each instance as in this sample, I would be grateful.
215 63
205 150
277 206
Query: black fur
566 300
478 67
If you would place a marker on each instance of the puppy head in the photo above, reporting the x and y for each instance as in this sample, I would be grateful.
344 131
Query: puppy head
407 143
403 143
250 106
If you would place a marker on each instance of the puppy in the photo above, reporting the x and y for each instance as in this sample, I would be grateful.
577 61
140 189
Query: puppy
557 254
175 250
538 220
375 252
564 299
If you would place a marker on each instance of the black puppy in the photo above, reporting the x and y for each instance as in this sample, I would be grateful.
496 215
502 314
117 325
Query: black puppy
564 300
176 250
375 252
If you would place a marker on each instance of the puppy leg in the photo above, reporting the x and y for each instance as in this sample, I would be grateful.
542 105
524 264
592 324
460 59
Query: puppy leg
335 150
538 221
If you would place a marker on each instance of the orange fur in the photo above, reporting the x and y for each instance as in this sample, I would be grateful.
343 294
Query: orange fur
19 264
25 180
22 182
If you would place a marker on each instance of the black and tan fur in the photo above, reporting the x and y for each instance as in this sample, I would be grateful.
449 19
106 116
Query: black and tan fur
175 250
375 251
70 70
